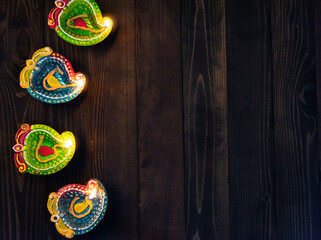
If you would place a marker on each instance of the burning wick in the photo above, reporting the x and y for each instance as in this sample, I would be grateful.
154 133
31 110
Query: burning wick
68 144
93 193
107 23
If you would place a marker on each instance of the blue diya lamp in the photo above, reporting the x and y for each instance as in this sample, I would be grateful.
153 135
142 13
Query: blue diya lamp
49 77
77 209
40 150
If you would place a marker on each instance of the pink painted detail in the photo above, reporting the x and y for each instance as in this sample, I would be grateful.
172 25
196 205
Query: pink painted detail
63 60
74 187
54 15
45 151
20 162
22 133
80 22
17 148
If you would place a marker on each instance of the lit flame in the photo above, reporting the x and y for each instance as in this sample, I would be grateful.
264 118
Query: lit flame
80 80
108 22
68 143
81 83
93 193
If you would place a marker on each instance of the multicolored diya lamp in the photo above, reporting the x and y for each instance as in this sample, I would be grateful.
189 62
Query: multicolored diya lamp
79 22
77 209
50 78
40 150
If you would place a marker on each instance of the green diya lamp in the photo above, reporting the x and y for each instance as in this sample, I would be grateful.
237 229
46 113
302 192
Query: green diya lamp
40 150
77 209
79 22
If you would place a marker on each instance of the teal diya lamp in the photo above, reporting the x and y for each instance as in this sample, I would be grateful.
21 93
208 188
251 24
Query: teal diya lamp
79 22
50 78
77 209
40 150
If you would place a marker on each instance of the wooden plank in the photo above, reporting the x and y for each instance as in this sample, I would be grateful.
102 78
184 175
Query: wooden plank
250 120
20 34
104 121
205 117
160 125
297 189
317 37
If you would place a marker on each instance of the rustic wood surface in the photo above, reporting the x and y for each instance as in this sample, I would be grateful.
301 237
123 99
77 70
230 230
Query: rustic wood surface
250 128
295 124
160 120
200 118
205 106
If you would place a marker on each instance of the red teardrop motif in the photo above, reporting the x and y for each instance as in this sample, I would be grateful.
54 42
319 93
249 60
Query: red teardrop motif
80 22
45 151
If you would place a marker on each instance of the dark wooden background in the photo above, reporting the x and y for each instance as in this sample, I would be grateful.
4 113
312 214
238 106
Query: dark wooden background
200 118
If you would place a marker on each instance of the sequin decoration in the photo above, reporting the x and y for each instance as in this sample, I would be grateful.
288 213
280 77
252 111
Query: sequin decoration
77 209
79 22
40 150
49 77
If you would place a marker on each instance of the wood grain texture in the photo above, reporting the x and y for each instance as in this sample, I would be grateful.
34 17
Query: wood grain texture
295 124
250 120
228 86
20 34
205 127
317 28
160 124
